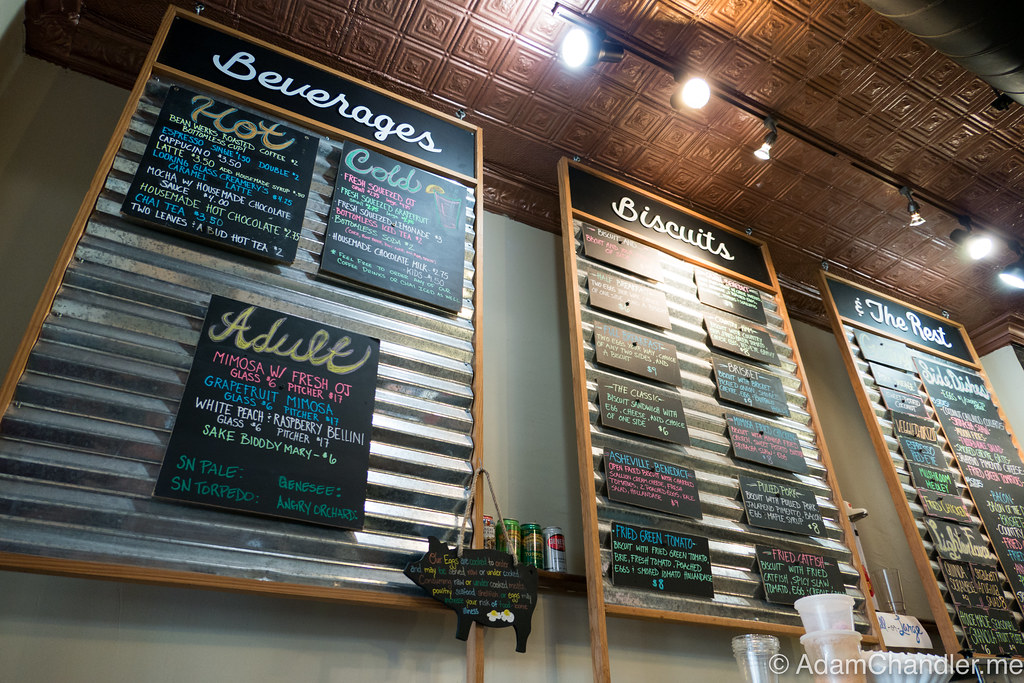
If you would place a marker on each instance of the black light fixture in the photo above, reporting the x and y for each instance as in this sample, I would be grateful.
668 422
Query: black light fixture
978 244
1002 101
585 45
764 152
913 208
1013 274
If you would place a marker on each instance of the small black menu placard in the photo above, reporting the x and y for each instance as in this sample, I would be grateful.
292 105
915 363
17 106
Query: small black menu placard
636 353
661 561
764 443
885 351
729 295
958 543
743 340
892 378
915 427
991 631
944 506
275 418
397 228
990 586
961 388
788 576
642 409
959 580
932 478
650 483
623 252
921 453
630 299
781 506
749 386
904 403
225 175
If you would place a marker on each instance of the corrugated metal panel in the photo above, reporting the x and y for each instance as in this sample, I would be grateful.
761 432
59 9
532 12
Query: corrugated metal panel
738 591
85 435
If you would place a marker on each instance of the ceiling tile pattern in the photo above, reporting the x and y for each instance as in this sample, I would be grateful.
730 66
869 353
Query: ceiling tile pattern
831 69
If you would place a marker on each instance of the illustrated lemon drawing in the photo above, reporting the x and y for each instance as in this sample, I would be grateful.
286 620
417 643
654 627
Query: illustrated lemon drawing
434 189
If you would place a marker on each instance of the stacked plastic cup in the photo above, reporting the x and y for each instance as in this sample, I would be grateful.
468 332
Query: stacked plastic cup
754 653
830 642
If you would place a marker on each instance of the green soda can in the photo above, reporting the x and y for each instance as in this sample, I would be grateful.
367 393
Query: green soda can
533 545
508 540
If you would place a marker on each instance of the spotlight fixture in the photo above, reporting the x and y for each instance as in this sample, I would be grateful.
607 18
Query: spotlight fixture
694 93
913 208
584 45
764 152
978 245
1013 274
1002 101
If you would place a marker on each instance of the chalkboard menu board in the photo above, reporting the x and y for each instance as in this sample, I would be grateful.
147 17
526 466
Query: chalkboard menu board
904 403
991 631
932 478
749 386
915 427
944 506
224 175
275 418
659 560
922 453
636 353
788 576
958 543
990 586
884 351
398 228
743 340
629 299
781 506
729 295
765 443
959 580
892 378
641 409
623 252
651 483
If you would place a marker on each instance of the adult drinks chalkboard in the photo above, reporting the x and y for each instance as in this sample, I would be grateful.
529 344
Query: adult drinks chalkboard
636 353
275 418
764 443
641 409
398 228
224 175
787 575
616 250
661 561
651 483
729 295
781 506
749 386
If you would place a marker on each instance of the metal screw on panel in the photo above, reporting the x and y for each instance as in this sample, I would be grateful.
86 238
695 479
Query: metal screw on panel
576 157
750 231
199 7
824 265
461 114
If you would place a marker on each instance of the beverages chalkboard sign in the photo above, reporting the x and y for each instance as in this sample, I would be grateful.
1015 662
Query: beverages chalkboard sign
729 295
990 586
959 579
641 409
749 386
629 299
397 228
904 403
636 353
921 453
958 543
275 418
764 443
228 176
651 483
944 506
616 250
663 561
743 340
914 427
788 576
991 631
781 506
932 478
885 351
892 378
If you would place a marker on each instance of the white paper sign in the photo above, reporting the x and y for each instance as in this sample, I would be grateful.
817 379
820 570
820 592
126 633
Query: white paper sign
901 630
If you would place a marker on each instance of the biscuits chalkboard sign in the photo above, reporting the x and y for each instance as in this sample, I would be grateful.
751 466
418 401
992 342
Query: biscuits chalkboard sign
749 386
781 506
729 295
885 351
224 175
944 506
636 353
275 418
620 251
904 403
764 443
904 424
743 340
922 453
787 575
958 543
629 299
651 483
398 228
891 378
663 561
641 409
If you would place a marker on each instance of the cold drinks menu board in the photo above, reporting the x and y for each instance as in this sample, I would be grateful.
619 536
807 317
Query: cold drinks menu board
221 174
275 418
397 228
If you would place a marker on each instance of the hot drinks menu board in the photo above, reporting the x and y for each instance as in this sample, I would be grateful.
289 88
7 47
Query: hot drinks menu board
991 631
749 386
398 228
642 409
729 295
614 249
765 443
275 418
629 299
651 483
636 353
658 560
787 575
729 335
218 173
781 506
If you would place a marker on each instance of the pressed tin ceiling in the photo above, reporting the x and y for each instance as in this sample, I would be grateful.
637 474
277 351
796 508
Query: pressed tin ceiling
847 77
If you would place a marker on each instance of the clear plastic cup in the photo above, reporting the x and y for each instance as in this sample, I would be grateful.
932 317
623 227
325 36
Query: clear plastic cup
835 656
826 612
753 653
